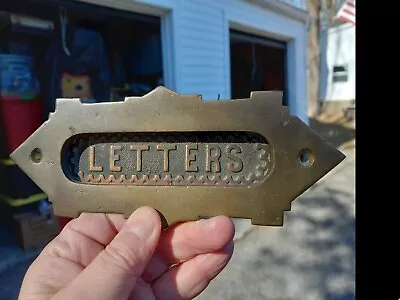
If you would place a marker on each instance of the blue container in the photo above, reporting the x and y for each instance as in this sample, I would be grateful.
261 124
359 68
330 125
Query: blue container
17 78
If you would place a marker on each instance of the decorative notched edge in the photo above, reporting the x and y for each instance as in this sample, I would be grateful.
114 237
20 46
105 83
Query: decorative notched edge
267 214
122 179
161 94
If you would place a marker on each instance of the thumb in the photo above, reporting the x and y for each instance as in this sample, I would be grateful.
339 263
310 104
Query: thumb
114 272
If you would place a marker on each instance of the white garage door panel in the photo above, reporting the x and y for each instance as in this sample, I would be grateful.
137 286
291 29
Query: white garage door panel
202 49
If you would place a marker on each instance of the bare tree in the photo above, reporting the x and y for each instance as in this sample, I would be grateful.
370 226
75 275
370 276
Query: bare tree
327 10
313 56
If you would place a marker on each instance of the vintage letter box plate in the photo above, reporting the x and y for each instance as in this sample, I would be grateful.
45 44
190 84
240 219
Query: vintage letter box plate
186 157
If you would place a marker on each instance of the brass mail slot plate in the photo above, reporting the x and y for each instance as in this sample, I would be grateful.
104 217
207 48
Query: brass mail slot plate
245 158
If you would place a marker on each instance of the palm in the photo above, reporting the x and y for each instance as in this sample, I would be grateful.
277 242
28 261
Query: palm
187 257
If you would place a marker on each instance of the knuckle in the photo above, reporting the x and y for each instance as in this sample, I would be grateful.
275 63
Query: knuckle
124 257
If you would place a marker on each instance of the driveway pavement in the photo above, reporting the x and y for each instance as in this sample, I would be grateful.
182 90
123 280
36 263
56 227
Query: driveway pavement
311 257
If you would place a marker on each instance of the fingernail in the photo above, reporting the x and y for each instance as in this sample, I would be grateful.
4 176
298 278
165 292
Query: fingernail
208 223
142 222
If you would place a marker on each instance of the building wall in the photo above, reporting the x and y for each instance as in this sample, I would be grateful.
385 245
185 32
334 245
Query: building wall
301 4
337 50
198 53
203 47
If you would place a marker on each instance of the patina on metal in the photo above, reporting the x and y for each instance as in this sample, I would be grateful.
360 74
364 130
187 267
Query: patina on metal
245 158
168 158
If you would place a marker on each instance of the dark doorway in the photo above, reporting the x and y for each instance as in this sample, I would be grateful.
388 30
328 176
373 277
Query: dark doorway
257 64
83 50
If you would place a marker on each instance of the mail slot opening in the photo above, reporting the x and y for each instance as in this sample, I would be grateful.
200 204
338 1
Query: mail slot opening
167 158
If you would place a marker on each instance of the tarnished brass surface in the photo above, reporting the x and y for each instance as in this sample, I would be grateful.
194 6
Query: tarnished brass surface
185 157
174 158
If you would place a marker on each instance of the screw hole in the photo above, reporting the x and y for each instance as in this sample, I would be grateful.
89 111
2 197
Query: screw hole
306 158
36 155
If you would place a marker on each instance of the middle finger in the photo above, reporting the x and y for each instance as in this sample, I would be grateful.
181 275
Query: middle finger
184 241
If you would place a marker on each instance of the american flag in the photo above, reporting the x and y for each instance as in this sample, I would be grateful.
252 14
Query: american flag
347 13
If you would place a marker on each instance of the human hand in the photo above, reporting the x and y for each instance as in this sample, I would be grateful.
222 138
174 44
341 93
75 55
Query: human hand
104 256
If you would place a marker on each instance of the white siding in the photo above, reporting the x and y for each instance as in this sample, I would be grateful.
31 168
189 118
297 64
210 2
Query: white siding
203 60
202 68
199 34
267 23
338 49
300 4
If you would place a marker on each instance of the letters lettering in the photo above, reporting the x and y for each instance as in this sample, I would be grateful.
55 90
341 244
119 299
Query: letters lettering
190 157
114 157
92 167
139 149
231 151
166 149
213 158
